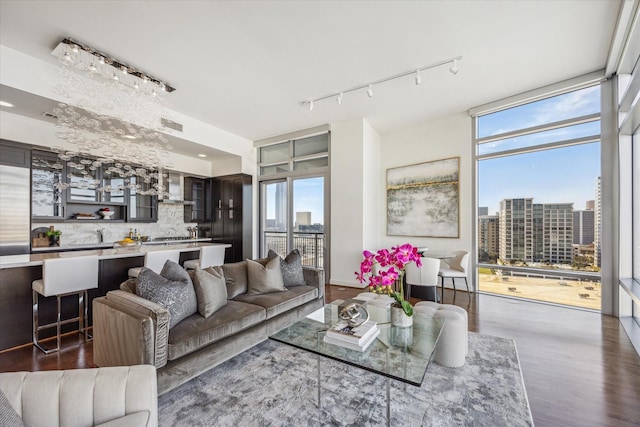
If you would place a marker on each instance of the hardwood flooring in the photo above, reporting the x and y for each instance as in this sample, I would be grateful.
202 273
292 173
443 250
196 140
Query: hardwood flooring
579 367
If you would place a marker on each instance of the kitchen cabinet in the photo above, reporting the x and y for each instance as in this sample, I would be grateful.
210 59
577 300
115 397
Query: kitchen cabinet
142 207
47 172
49 203
195 190
232 215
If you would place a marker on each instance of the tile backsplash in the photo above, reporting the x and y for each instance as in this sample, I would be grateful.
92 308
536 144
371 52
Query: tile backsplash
170 223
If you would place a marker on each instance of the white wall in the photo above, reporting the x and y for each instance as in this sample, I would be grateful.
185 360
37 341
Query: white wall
359 160
441 139
347 205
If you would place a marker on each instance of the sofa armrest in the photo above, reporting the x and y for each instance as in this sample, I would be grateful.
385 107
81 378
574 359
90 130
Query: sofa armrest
315 277
128 330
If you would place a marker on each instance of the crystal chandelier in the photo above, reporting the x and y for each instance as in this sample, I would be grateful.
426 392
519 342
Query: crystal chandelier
113 118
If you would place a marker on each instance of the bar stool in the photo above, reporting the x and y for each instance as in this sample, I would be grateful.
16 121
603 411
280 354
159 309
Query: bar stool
62 277
210 256
155 261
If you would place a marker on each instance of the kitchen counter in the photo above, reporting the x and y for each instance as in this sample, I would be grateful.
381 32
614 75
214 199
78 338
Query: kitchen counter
28 260
108 245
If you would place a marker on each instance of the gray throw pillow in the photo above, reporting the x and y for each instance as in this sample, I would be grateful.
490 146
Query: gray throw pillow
171 289
235 276
264 279
8 416
291 268
211 291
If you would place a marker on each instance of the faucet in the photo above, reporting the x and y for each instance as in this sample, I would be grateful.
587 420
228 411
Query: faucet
101 234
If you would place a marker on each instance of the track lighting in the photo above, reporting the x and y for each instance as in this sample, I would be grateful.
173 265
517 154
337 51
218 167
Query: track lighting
93 68
454 67
369 86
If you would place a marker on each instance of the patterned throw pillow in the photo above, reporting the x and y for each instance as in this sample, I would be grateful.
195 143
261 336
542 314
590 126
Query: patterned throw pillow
211 291
8 416
291 268
264 279
172 289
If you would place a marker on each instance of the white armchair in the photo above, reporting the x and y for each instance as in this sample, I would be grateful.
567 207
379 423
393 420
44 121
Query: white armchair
456 268
111 396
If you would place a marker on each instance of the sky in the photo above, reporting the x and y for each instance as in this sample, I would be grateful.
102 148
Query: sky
308 196
561 175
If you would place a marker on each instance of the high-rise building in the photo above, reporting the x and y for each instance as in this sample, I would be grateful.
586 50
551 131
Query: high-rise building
558 233
535 232
516 229
597 223
302 218
489 237
583 227
281 207
590 205
482 211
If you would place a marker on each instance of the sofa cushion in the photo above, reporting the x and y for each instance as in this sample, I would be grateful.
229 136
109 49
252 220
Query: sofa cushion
8 416
172 289
280 302
196 331
263 279
140 418
211 291
291 268
235 276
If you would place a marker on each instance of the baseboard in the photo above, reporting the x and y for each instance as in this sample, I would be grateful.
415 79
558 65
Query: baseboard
347 283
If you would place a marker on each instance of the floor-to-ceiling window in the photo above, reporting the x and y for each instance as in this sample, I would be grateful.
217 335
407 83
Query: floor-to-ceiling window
538 169
293 198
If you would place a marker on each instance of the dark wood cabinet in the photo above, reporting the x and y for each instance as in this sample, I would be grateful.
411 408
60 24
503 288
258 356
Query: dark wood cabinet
195 191
232 215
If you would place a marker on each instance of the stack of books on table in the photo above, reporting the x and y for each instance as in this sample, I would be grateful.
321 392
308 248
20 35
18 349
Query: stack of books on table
353 337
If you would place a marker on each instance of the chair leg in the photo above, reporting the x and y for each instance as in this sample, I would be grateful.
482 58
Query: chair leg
453 283
467 285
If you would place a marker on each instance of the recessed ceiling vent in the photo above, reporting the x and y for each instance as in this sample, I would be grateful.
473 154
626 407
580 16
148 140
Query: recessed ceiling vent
171 124
50 116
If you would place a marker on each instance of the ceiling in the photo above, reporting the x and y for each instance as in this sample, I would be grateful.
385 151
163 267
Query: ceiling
244 66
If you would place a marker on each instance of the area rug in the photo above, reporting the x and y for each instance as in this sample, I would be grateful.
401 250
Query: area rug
274 384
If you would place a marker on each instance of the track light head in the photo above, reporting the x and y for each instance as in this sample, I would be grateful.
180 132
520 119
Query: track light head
454 68
339 98
370 91
310 105
418 78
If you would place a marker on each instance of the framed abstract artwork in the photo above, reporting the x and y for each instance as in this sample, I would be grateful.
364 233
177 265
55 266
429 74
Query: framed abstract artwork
423 199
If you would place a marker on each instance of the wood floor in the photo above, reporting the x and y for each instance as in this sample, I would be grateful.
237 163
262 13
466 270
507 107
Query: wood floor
579 367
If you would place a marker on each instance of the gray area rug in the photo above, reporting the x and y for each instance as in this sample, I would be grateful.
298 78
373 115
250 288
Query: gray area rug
274 384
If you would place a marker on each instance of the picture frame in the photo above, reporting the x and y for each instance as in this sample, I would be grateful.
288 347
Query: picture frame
423 200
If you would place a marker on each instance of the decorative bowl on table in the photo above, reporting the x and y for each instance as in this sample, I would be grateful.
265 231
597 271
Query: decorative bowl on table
107 214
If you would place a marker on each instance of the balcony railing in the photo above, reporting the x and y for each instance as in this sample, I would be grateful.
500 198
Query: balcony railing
311 246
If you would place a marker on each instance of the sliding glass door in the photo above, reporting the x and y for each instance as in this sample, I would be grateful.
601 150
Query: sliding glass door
293 218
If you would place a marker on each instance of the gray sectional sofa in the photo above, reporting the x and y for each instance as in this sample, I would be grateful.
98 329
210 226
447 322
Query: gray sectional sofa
131 330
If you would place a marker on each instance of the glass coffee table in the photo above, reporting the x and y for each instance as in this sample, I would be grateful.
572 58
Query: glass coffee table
401 354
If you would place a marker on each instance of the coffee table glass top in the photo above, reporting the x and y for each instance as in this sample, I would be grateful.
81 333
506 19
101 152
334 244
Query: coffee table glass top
400 353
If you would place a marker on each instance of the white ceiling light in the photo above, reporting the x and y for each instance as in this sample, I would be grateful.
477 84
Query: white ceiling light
6 104
202 155
369 86
454 67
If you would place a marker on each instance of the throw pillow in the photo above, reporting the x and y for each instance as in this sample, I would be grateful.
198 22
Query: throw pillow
291 268
235 276
211 291
8 416
264 279
172 289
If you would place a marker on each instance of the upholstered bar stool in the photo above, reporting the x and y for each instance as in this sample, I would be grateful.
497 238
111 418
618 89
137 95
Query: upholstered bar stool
62 277
210 256
155 261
